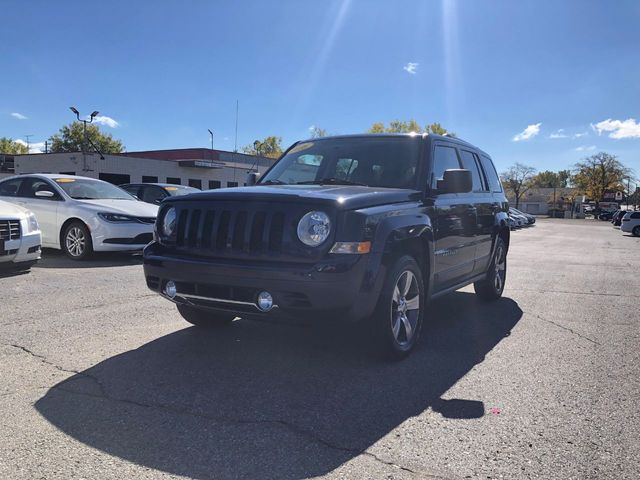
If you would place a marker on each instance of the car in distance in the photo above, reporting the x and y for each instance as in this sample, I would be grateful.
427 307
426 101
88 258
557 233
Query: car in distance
520 219
156 192
19 237
365 228
530 218
81 215
631 223
606 215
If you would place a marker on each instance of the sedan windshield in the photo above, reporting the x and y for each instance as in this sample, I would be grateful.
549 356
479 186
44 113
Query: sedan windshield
374 161
85 189
177 190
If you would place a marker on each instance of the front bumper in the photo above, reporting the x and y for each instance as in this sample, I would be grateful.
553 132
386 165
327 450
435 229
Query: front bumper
340 287
26 249
119 237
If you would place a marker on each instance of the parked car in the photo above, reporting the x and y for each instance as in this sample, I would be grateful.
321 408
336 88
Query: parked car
606 215
156 192
81 215
521 220
530 218
20 238
631 223
616 219
364 228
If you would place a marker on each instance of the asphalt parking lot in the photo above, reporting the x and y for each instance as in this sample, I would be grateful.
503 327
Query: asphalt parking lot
102 379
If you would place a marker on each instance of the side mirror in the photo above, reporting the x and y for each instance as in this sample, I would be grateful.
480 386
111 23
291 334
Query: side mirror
252 178
44 194
456 180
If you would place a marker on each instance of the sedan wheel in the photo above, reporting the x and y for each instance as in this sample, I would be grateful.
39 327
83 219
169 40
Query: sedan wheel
77 241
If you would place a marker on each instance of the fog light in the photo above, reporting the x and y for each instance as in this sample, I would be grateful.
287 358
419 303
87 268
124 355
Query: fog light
265 301
170 289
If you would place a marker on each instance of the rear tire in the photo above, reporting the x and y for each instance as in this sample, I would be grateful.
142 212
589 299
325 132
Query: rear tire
636 231
398 318
76 241
492 286
204 318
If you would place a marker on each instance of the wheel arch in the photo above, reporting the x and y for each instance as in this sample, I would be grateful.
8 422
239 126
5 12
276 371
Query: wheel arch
65 224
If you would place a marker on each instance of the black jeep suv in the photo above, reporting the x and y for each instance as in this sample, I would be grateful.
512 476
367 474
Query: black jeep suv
364 228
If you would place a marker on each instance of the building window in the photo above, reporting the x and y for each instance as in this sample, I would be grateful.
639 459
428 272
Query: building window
149 179
115 178
195 183
173 180
232 184
213 184
67 173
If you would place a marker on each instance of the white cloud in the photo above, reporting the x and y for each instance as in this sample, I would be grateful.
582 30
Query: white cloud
411 67
628 128
19 116
37 147
580 135
586 148
529 132
558 134
104 120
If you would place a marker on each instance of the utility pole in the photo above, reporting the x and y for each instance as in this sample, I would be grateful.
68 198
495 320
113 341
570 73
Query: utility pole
28 142
235 148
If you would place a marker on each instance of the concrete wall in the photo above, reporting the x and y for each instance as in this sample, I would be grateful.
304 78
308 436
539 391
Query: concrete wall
91 165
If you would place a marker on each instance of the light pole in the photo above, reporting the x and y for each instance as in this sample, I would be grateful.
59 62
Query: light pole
85 138
211 133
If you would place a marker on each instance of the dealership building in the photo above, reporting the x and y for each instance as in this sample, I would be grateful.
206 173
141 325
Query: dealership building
198 167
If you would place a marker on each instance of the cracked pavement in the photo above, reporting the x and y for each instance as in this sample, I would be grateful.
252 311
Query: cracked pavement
102 379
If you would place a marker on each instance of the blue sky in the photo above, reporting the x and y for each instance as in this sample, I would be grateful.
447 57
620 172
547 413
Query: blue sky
488 70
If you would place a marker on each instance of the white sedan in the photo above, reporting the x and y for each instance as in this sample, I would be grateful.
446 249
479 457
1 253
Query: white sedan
19 237
81 215
631 223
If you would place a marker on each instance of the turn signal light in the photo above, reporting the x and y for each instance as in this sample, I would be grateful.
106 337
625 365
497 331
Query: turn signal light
357 248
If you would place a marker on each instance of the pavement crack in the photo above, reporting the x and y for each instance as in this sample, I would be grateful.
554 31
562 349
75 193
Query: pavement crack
568 329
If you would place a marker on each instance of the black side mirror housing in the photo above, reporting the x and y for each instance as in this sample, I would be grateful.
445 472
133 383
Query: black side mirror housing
252 178
458 180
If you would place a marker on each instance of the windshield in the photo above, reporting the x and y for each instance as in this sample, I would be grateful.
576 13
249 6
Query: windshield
177 190
85 189
377 162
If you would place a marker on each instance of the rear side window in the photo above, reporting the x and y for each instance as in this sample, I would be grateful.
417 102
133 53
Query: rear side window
490 172
132 189
469 161
444 158
10 187
635 215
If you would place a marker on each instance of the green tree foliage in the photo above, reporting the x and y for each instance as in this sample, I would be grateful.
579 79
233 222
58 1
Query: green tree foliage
269 147
70 138
317 132
401 126
517 180
600 173
11 147
549 179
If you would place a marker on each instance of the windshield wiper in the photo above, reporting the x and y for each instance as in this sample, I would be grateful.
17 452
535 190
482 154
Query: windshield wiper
272 182
329 181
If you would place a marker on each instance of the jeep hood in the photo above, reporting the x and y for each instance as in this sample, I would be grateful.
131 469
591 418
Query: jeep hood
345 197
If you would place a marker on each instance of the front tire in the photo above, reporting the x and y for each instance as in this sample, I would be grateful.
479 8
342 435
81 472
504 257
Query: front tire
399 314
76 241
204 318
492 286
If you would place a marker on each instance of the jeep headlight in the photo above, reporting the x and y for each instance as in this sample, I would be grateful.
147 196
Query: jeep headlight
314 228
168 224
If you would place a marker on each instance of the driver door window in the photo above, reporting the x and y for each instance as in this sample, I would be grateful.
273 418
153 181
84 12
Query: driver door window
444 158
32 185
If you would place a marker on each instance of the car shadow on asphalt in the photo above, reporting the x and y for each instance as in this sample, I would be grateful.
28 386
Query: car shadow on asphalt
57 259
259 400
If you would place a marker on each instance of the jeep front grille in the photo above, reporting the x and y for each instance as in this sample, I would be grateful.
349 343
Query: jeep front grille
9 229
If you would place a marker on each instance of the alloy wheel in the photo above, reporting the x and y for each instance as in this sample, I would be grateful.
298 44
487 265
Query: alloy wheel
500 265
75 241
405 308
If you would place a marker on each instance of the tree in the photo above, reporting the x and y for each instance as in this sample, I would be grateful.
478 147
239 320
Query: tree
70 138
549 179
517 180
600 173
269 147
12 147
401 126
317 132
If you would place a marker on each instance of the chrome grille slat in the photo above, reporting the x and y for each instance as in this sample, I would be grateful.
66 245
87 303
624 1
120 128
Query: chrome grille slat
10 229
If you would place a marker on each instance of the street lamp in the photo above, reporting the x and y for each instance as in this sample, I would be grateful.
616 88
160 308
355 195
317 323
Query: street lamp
211 133
86 139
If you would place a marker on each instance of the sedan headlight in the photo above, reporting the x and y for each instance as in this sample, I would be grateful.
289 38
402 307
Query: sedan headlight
116 217
314 228
168 223
32 223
